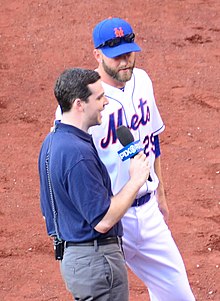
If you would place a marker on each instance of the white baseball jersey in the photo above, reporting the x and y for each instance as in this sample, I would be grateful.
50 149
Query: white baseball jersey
135 108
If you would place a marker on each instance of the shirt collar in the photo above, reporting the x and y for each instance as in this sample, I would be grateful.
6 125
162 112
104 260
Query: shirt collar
74 130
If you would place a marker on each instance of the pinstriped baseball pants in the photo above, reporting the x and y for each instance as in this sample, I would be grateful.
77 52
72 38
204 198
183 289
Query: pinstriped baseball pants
152 254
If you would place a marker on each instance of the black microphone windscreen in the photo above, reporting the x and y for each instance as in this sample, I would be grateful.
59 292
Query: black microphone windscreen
124 135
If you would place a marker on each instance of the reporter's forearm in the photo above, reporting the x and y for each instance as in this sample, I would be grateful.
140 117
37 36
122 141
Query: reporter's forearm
139 173
120 203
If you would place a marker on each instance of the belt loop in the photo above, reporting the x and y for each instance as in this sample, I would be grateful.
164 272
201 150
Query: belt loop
95 245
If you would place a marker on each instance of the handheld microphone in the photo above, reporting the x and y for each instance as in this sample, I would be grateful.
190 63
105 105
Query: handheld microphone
124 135
131 147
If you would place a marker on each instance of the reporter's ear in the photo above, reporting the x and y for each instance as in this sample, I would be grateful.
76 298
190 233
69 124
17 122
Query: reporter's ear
78 105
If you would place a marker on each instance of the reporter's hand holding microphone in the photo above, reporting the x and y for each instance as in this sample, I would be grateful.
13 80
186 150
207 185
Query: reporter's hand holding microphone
139 164
139 169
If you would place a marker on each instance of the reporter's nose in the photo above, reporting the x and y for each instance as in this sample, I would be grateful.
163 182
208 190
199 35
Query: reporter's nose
106 101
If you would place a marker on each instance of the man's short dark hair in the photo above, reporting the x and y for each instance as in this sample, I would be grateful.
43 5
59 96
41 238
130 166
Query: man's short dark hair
72 84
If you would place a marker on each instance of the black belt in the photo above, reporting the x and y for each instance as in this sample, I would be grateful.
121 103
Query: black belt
142 200
98 242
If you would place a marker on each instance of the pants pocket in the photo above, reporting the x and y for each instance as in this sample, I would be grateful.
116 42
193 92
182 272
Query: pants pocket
87 276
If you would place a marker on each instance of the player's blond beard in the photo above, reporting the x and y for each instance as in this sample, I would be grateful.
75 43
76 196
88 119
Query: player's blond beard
114 72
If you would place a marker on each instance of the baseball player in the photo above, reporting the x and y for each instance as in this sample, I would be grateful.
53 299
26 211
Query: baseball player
150 250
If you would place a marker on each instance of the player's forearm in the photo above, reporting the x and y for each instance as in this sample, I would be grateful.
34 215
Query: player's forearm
161 197
160 189
119 205
157 168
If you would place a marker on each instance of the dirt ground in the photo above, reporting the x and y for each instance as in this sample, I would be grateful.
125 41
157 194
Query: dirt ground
180 43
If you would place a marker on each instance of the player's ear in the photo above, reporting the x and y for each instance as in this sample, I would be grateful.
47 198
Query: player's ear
98 55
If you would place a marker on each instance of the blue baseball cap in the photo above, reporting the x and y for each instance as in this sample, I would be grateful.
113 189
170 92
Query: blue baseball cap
114 37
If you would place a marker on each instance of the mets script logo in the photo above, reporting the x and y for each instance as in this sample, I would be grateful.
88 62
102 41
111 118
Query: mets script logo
117 118
119 32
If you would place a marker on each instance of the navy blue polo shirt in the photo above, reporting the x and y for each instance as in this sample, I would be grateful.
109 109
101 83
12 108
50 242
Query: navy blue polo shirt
81 185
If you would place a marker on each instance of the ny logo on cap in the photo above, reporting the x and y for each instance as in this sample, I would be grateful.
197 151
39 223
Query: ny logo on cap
119 32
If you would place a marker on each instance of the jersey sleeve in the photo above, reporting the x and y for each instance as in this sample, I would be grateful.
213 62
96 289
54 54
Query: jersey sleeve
157 146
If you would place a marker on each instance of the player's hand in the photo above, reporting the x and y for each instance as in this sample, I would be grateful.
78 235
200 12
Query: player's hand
139 169
162 203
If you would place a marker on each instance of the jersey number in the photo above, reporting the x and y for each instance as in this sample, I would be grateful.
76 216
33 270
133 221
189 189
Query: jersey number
149 144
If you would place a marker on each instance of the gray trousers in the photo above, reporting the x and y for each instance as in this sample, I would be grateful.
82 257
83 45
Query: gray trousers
95 273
